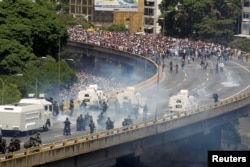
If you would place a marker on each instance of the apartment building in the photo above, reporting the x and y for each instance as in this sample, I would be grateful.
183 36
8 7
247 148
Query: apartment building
106 12
151 15
245 23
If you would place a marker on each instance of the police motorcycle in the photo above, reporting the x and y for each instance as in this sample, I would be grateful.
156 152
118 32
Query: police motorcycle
32 142
3 145
127 121
15 145
66 130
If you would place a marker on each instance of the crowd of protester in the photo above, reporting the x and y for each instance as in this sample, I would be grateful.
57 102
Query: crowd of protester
152 46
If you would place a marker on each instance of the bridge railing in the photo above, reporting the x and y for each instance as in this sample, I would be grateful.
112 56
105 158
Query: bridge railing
102 134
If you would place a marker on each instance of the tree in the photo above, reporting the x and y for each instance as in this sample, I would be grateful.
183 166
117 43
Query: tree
117 28
210 20
44 77
241 43
13 56
33 25
11 94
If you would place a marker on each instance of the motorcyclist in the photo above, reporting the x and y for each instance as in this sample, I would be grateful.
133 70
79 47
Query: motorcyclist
38 138
2 145
109 124
67 125
14 144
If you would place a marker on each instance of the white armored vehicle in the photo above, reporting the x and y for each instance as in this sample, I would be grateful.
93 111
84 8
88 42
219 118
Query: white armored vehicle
129 98
182 102
28 114
92 96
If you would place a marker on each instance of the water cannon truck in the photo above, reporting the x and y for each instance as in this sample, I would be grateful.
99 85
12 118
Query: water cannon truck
130 98
182 102
92 96
26 115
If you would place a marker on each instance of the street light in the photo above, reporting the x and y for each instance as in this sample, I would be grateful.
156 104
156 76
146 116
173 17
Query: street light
157 87
238 17
163 27
3 84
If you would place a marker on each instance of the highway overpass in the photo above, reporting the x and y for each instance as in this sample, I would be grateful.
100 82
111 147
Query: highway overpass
106 146
102 148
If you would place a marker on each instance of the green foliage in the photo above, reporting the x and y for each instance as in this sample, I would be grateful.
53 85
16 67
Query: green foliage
241 43
117 28
28 32
45 75
11 94
209 20
13 56
33 25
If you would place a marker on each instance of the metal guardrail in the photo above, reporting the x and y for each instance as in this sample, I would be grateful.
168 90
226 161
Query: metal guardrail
102 134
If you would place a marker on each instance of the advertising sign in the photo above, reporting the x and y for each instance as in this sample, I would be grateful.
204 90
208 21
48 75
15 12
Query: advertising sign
111 5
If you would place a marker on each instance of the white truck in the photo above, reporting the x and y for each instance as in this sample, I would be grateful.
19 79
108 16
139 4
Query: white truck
182 102
92 96
28 114
130 97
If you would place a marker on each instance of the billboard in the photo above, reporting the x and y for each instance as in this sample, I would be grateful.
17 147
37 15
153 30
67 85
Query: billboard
121 5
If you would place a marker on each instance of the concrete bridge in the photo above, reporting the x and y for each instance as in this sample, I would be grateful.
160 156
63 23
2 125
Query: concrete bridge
106 146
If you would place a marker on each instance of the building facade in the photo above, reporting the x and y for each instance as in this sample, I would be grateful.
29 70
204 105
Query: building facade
245 23
151 15
107 12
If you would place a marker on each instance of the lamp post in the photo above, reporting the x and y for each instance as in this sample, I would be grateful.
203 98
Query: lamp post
238 17
157 88
163 26
59 71
3 84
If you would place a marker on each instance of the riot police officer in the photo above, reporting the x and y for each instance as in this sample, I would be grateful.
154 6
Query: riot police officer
109 124
104 107
101 119
66 130
71 107
92 126
38 138
80 123
87 117
145 112
215 96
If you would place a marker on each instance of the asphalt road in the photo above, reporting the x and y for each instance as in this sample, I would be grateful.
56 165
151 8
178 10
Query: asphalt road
233 80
